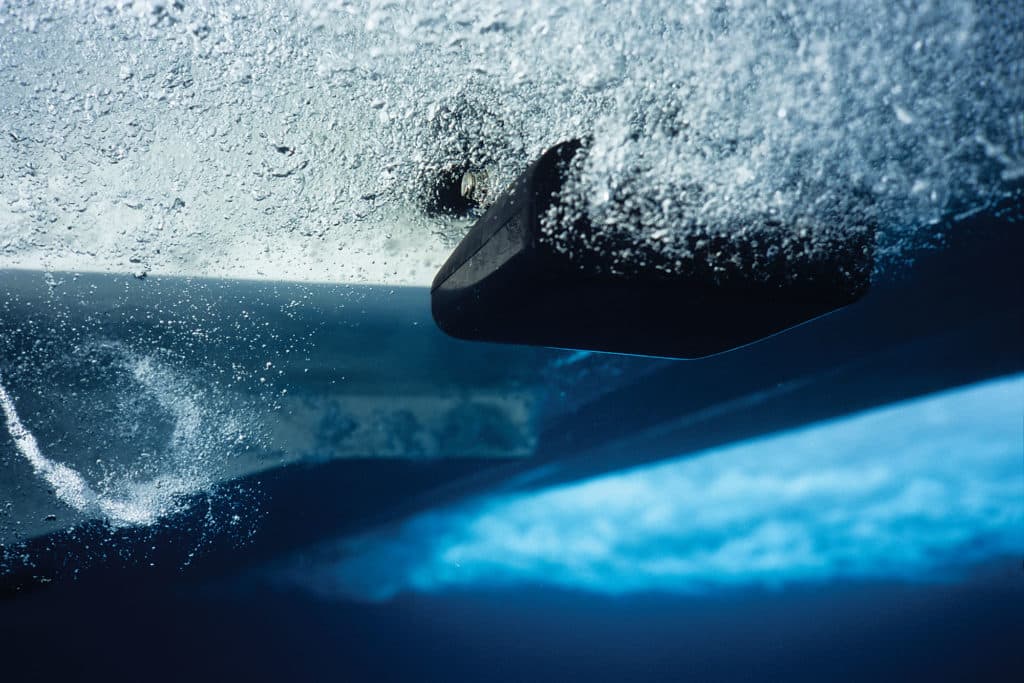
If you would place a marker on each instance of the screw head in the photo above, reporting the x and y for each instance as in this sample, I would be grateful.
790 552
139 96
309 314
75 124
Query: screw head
473 186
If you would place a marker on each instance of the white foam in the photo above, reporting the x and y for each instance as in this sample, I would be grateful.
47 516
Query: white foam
253 138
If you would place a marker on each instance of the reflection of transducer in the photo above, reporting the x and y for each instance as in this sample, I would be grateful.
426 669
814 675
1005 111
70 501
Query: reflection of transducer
506 282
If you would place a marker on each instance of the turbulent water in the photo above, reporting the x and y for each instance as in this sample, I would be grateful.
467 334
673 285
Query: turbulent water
105 439
277 140
167 440
304 140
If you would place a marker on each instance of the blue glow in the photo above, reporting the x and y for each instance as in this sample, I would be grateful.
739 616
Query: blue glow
921 490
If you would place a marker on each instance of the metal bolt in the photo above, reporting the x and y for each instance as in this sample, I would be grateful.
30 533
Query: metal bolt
473 185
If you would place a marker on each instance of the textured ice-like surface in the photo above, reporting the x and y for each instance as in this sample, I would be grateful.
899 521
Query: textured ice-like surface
298 139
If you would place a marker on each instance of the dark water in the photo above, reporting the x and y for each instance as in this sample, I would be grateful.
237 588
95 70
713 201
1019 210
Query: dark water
183 630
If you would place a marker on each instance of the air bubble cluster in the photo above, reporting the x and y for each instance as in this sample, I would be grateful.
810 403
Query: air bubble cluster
302 140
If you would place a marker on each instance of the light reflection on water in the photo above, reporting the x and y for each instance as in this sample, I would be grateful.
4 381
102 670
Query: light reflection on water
922 490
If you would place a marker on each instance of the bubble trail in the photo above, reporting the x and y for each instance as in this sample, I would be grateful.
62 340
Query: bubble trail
68 484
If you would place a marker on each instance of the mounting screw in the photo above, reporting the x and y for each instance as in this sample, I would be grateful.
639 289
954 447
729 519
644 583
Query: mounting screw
474 186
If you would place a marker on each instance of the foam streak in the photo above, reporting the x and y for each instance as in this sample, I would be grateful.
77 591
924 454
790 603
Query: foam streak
68 484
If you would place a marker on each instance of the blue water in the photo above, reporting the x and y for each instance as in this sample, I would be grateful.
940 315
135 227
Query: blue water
881 545
919 491
843 501
205 477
